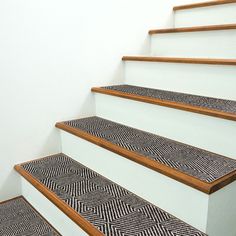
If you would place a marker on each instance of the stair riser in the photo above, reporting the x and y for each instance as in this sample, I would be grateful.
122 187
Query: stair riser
186 127
212 15
203 44
206 80
49 211
222 212
141 180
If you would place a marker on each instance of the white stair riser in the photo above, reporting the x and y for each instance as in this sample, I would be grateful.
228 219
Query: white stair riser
206 80
222 212
204 44
210 133
212 15
49 211
170 195
150 185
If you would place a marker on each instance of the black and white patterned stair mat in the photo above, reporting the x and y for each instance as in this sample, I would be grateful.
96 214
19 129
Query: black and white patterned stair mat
201 164
110 208
222 105
18 218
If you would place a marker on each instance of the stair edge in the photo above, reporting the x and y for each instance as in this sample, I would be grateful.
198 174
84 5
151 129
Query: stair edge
73 215
203 4
170 104
207 61
193 29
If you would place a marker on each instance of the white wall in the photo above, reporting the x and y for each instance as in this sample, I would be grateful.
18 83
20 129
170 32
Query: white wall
51 53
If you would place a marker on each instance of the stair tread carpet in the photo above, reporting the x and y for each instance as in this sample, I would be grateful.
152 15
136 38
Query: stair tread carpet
202 165
207 105
19 218
109 208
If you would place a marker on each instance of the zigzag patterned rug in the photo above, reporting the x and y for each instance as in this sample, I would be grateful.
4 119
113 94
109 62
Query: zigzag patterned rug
201 164
18 218
108 207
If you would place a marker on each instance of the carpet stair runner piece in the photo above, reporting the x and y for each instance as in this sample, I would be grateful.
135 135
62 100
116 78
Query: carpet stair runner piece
19 218
108 208
198 168
199 104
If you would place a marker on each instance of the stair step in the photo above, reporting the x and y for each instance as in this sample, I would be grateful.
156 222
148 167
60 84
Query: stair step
194 42
18 217
193 29
205 13
200 169
96 204
203 4
206 61
182 75
205 105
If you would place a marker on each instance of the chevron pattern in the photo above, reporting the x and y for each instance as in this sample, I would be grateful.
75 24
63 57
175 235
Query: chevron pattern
223 105
107 206
18 218
201 164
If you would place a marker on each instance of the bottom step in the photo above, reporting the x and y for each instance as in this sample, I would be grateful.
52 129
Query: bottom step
96 204
18 217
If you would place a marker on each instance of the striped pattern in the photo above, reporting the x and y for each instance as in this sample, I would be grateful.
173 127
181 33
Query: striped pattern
18 218
221 105
201 164
107 206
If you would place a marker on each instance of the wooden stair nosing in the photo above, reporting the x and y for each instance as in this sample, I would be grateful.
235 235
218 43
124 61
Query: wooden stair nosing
193 182
203 4
194 29
71 213
171 104
207 61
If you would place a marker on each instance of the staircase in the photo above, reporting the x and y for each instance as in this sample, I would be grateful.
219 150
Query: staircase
159 156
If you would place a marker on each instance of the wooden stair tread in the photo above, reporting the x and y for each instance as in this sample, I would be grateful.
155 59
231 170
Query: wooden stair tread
208 61
203 4
220 108
193 29
20 218
99 206
189 165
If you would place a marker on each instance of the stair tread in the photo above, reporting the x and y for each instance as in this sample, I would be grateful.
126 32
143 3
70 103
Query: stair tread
203 4
207 61
195 167
207 105
18 217
194 29
108 208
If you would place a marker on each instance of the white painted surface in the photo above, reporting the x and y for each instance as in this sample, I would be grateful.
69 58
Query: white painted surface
52 53
205 80
49 211
212 15
210 133
222 212
203 44
168 194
